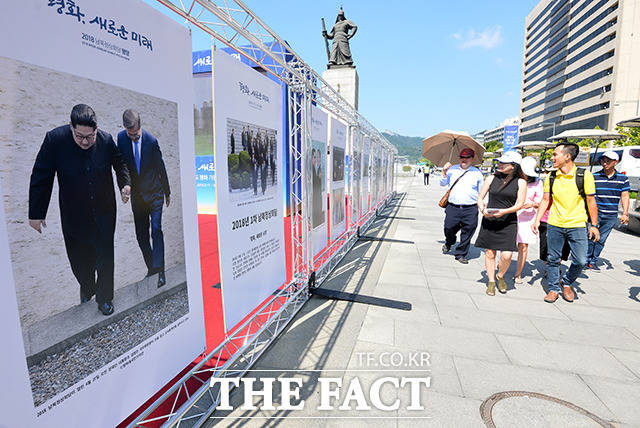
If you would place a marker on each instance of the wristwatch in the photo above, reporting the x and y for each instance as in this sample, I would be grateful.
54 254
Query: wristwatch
597 225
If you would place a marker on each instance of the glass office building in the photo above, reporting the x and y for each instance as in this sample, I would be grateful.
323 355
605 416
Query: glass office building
581 66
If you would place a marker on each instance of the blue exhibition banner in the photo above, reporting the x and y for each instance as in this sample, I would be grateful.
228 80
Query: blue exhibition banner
206 184
510 137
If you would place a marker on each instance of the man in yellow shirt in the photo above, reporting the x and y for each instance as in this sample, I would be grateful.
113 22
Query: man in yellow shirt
567 220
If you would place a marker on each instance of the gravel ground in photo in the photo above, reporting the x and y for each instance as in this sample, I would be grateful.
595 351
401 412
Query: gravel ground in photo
60 371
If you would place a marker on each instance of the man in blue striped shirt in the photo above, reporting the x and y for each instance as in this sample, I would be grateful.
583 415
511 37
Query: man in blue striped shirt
611 187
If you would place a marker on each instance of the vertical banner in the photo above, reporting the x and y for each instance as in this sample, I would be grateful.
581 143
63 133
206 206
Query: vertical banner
338 148
366 159
97 315
510 137
318 168
248 142
203 129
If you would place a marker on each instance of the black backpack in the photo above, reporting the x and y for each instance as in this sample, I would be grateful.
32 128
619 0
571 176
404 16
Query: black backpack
579 184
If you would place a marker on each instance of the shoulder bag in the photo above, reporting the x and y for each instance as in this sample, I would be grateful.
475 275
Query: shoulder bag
444 201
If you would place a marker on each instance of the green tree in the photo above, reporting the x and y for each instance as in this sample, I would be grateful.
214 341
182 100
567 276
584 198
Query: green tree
492 146
632 136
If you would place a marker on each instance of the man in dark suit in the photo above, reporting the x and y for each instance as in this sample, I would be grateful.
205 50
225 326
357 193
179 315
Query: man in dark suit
150 189
82 156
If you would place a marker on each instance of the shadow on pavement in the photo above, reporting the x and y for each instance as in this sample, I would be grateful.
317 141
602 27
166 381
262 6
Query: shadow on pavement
323 333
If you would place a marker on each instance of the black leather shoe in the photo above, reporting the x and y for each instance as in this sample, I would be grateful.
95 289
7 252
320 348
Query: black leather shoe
463 260
445 249
161 279
106 308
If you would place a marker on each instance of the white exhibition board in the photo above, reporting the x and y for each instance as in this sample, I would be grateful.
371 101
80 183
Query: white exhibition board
318 168
337 197
356 141
249 185
112 56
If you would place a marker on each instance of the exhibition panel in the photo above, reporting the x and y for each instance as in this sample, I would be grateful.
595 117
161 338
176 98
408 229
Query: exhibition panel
317 165
75 363
337 188
248 135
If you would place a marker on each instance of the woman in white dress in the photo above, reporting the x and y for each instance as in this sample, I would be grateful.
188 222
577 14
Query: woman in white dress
527 214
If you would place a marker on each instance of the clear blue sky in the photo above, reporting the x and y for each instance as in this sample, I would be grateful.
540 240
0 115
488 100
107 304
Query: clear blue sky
424 66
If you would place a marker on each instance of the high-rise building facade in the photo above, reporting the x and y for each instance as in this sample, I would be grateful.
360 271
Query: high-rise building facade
581 66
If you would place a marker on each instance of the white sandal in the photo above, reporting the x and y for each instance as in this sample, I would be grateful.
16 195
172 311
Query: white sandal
518 280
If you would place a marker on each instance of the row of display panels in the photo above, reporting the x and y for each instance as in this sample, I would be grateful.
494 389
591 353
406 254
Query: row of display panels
134 241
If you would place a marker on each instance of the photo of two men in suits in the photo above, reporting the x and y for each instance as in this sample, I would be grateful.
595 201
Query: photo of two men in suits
82 157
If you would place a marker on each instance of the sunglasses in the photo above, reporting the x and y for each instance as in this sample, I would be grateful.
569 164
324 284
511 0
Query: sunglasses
466 157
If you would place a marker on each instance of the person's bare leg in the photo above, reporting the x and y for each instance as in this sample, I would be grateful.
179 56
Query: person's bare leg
490 264
504 262
522 259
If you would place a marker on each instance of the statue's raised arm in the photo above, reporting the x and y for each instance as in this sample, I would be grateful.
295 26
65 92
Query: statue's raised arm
342 31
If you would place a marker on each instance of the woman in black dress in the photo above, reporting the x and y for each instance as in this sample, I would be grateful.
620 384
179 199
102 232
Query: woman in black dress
499 229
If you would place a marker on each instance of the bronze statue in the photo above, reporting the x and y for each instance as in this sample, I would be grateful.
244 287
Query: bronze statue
342 31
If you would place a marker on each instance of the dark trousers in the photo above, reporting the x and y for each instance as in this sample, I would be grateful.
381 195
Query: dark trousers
88 256
254 179
263 178
150 215
426 179
463 219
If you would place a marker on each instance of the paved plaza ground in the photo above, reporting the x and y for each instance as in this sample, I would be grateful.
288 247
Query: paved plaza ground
586 353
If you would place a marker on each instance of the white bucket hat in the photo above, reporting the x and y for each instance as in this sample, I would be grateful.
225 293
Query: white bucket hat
528 166
510 157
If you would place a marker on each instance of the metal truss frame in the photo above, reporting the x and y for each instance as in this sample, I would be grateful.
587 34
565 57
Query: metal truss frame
191 400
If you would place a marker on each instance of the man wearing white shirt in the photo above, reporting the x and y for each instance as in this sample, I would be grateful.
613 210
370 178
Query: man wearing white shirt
461 213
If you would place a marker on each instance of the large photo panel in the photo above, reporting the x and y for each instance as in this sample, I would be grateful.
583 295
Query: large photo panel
248 152
96 172
318 168
338 149
356 137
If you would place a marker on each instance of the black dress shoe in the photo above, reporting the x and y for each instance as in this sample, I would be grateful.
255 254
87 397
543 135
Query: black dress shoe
463 260
106 308
161 279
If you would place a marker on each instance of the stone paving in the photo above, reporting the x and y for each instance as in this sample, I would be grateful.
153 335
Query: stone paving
586 352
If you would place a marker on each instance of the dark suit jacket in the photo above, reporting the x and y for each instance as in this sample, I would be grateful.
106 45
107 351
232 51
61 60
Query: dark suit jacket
152 182
87 198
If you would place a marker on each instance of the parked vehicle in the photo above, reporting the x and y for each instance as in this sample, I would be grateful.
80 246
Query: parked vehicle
629 163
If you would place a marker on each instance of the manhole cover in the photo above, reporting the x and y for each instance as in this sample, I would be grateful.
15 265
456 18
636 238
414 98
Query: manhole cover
526 409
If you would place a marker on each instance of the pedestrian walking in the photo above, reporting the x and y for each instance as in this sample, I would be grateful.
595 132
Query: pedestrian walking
611 188
572 191
499 228
527 214
425 172
461 213
542 235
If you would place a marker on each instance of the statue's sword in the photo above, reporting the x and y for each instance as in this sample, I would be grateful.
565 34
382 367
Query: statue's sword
326 42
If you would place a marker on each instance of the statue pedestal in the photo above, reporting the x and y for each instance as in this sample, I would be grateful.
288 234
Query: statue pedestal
345 82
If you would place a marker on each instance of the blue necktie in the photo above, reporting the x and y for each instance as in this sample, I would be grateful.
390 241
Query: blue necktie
136 155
